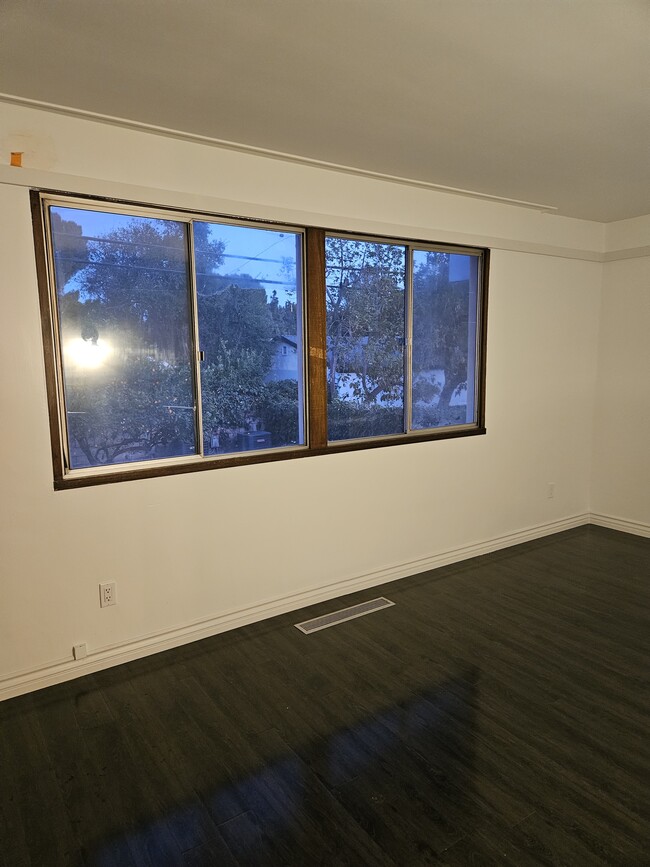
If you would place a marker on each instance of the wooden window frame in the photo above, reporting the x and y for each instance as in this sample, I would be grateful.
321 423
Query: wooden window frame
315 355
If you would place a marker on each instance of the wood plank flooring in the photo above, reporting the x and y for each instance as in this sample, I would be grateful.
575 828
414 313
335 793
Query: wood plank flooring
497 714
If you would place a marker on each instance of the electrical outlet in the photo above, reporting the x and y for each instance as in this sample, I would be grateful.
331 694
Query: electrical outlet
107 594
79 651
550 490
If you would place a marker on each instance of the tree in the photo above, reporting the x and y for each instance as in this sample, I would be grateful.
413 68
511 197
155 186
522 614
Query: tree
231 387
365 318
440 329
236 329
236 318
130 296
139 275
285 316
139 411
133 293
71 248
277 406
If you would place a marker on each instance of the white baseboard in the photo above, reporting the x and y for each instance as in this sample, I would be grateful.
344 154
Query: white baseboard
62 670
638 528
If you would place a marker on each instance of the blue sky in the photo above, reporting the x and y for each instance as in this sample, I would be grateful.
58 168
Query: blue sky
248 250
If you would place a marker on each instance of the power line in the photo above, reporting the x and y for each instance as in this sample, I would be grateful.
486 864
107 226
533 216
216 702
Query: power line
154 270
168 247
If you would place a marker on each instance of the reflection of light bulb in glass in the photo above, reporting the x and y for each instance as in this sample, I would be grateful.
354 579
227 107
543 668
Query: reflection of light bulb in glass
86 354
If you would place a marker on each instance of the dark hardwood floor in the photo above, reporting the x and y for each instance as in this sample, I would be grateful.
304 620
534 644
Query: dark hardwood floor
497 714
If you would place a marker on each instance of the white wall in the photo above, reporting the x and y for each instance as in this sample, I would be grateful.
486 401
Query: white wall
621 477
195 553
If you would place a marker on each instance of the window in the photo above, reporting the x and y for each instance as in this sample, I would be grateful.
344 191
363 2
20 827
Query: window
125 336
176 341
249 304
365 296
401 337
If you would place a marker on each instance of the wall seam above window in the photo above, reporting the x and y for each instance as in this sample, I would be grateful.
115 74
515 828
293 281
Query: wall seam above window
40 179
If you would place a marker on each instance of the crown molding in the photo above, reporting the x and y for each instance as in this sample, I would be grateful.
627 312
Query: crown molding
209 141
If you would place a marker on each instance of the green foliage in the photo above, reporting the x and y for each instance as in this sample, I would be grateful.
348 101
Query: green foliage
208 255
71 248
285 316
237 319
138 276
425 391
80 319
365 318
440 329
431 417
349 420
131 295
139 409
277 408
231 388
130 289
236 333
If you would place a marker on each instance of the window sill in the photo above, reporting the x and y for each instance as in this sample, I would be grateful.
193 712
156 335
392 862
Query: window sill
194 464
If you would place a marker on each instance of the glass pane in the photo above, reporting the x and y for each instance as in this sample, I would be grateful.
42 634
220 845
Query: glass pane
444 338
365 338
249 292
124 317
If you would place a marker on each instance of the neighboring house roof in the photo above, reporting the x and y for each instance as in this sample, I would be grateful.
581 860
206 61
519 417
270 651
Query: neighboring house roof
289 339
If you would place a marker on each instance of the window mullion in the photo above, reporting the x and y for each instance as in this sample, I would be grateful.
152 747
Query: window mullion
316 338
196 347
408 341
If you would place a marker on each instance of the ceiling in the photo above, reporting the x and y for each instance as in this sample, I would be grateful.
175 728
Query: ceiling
540 100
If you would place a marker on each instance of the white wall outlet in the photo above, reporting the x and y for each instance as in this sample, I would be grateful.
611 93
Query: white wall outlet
79 651
550 490
107 594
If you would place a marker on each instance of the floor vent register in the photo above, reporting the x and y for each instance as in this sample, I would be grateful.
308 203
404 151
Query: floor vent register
336 617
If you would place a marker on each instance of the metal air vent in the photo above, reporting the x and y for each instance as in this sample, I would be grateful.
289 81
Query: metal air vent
318 623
